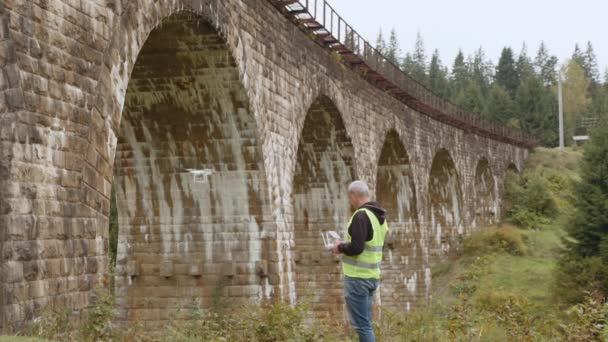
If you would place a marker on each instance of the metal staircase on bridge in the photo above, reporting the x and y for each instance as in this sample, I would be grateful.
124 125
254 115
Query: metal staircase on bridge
323 24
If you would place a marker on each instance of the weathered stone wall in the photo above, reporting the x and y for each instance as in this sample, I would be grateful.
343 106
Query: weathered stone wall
102 91
187 239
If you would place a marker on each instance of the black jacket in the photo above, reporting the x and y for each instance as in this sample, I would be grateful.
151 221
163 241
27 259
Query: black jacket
361 230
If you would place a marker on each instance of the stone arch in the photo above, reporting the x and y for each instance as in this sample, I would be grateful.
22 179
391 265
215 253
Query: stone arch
486 202
403 277
324 168
190 178
512 167
445 204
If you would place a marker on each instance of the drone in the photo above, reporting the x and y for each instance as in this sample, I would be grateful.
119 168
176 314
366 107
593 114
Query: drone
200 176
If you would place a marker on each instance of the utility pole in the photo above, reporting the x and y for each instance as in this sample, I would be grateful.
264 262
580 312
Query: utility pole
561 112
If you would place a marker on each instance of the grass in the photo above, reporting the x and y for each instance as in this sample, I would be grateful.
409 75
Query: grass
519 264
20 339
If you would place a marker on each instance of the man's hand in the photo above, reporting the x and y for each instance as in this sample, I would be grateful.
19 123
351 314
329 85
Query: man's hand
335 248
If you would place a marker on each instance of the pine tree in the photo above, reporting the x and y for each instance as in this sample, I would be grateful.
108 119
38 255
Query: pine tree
419 61
392 51
506 73
537 110
583 266
438 81
589 226
546 65
471 98
500 106
524 65
408 64
578 55
380 43
481 71
459 78
590 64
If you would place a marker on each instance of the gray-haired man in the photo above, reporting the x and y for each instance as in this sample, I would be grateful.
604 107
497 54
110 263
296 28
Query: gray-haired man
362 251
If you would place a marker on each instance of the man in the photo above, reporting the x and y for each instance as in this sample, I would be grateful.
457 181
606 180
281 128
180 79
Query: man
362 255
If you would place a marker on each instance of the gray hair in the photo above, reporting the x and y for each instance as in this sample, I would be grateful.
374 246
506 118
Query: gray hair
359 187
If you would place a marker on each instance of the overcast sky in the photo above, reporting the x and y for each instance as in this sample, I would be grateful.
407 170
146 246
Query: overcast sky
448 25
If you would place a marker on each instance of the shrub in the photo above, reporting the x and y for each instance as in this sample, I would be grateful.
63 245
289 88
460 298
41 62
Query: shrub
588 321
531 204
575 275
496 239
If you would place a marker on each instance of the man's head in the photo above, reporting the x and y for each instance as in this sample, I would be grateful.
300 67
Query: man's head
358 194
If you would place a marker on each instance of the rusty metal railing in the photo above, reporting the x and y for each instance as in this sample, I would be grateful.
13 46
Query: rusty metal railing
331 30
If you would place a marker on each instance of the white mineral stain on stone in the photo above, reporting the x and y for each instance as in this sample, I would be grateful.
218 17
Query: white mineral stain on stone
410 283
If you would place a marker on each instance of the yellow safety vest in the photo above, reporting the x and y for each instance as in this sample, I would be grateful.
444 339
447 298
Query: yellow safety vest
367 264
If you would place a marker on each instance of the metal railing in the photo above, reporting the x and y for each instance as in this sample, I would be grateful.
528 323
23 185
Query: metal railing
333 31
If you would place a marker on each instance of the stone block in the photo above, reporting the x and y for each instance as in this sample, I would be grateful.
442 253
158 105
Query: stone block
132 268
196 269
228 269
166 269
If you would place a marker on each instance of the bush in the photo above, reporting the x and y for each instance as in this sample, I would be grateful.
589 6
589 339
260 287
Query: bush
265 323
505 238
587 321
531 203
60 324
575 276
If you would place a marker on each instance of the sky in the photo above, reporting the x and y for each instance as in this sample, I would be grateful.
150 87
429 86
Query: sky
449 25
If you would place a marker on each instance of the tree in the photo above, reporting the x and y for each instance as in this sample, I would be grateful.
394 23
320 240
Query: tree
578 55
590 66
481 71
587 246
546 65
460 74
506 73
524 65
380 43
471 98
419 60
392 51
408 64
438 76
576 95
500 106
537 110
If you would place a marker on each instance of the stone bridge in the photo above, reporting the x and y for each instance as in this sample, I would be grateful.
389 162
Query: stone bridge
229 130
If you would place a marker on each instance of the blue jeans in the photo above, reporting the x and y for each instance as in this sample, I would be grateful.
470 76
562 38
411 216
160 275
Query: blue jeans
358 294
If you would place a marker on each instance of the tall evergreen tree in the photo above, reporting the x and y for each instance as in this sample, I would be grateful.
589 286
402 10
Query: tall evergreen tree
460 73
537 110
380 42
408 64
438 76
584 264
393 51
589 226
546 65
471 98
481 71
506 73
590 64
500 106
419 60
524 65
578 55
